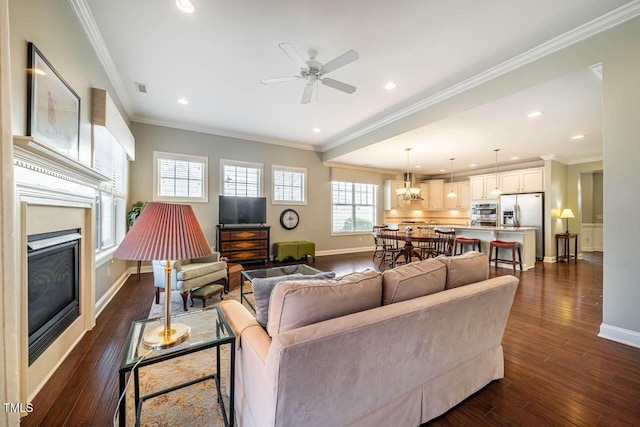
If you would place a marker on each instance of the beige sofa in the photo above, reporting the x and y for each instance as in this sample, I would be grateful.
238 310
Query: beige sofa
333 361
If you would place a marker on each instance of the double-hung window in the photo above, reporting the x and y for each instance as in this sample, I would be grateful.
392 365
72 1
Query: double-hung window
241 179
109 159
180 177
354 207
289 185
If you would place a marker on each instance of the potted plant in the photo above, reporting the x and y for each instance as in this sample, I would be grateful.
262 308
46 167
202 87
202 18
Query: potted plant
134 213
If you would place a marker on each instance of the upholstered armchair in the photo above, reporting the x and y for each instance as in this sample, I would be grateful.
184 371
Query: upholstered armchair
190 274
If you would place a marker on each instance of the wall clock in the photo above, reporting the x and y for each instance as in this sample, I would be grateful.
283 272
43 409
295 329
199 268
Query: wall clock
289 219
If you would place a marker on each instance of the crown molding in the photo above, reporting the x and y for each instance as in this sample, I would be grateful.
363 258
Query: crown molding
219 132
583 32
586 160
360 168
90 27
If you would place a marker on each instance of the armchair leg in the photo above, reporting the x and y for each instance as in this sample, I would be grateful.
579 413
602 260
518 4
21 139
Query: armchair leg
157 295
184 300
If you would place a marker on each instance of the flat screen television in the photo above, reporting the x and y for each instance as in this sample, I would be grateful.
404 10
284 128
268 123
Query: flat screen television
242 210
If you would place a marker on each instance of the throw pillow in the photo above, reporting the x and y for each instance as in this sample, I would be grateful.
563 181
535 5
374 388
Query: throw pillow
469 267
262 288
413 280
299 303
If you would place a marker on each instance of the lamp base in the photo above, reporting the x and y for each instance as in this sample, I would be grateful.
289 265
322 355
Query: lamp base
156 339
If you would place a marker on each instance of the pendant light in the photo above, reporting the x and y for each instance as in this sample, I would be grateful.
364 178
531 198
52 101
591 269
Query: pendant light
496 191
408 192
451 193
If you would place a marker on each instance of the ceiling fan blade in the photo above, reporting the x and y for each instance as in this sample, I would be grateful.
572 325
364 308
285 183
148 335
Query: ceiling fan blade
292 53
279 79
338 85
306 95
340 61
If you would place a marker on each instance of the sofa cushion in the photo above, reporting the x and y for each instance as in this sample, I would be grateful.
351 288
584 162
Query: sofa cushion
262 288
298 303
413 280
193 270
469 267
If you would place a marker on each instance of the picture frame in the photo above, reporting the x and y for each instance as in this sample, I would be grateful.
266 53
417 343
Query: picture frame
53 113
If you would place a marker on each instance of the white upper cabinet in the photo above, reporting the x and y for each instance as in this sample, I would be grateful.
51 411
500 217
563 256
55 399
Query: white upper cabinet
424 193
481 186
391 199
461 200
522 181
436 191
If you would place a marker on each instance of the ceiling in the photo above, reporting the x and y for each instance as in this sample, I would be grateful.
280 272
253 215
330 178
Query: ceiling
216 57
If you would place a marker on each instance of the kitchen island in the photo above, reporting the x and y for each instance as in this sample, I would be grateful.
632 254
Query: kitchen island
526 236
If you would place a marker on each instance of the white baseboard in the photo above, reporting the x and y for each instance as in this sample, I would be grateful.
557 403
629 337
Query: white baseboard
113 290
345 251
621 335
143 269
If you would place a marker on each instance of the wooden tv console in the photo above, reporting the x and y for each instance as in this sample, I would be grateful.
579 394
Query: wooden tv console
242 243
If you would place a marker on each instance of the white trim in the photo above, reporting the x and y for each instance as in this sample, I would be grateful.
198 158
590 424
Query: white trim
225 133
293 169
83 13
596 26
621 335
345 251
143 269
586 160
158 155
105 255
102 303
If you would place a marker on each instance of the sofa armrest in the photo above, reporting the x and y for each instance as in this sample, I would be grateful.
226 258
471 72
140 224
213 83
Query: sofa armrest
214 257
246 328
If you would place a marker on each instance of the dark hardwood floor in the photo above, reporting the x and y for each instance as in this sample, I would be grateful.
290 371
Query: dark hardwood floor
557 371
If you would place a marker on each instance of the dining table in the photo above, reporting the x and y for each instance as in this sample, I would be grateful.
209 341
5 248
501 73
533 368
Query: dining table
409 238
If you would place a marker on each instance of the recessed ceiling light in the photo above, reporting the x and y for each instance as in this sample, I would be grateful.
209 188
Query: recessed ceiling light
186 6
441 170
316 130
577 137
418 166
183 101
515 158
39 72
533 114
472 165
390 86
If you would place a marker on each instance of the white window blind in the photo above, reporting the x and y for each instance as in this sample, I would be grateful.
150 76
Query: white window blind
289 185
180 177
241 179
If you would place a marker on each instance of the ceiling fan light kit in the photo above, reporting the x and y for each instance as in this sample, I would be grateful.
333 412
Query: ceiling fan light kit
313 72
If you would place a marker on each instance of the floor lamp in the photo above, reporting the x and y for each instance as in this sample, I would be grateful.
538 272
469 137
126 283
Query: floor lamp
165 231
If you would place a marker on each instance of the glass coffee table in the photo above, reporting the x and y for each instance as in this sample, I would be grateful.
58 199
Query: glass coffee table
209 328
263 273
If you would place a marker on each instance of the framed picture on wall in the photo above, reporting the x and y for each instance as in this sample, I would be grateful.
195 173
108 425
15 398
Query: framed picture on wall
53 114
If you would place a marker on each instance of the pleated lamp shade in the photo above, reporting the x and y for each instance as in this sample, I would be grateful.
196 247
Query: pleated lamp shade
164 231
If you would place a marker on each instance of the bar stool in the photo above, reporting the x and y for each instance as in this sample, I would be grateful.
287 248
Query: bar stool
499 244
461 241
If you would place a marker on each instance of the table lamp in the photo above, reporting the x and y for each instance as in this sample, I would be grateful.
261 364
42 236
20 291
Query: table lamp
566 214
165 231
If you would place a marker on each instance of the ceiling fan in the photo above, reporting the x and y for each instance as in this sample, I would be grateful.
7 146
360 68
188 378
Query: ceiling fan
313 71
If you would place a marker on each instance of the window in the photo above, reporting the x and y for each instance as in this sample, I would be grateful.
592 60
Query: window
353 207
289 185
110 159
242 179
180 177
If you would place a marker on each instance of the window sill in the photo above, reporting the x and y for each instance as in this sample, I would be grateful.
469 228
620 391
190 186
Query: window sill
105 256
351 233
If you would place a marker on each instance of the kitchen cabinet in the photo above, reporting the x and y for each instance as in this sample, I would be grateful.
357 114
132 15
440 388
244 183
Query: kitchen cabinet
480 187
522 181
461 201
424 193
390 196
436 194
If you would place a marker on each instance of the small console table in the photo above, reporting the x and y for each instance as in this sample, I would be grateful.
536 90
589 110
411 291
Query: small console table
566 247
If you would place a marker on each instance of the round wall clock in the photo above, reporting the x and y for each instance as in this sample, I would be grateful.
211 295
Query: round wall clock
289 219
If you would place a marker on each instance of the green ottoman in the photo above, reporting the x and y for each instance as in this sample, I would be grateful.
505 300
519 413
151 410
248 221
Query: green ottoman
305 249
205 292
284 250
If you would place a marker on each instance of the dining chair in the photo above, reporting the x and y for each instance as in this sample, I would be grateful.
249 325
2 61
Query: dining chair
377 252
427 248
445 242
390 247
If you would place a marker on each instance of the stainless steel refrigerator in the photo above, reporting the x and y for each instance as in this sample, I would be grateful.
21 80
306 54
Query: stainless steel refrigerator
525 210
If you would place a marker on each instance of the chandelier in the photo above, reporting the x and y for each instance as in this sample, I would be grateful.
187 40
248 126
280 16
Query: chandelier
408 193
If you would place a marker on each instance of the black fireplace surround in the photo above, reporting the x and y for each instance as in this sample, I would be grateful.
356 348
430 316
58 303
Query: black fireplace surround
53 268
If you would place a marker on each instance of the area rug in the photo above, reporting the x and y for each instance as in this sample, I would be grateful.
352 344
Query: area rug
195 405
